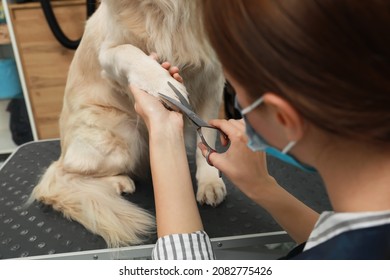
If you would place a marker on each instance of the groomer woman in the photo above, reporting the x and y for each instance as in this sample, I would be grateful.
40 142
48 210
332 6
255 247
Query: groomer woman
312 79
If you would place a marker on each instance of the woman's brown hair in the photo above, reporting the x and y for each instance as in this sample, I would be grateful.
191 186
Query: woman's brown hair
329 58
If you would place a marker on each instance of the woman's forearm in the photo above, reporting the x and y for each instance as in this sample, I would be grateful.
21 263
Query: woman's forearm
176 208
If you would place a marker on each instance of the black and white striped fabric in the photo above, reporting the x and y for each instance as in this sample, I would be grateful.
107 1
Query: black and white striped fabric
186 246
331 224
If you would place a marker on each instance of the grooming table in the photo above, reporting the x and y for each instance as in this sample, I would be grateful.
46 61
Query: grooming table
38 232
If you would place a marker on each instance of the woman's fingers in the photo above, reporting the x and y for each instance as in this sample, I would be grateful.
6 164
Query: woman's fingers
173 70
234 129
166 65
208 155
177 77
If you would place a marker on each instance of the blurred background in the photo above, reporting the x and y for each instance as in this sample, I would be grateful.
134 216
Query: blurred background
33 34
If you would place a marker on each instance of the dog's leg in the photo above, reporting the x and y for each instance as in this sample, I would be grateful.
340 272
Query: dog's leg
103 142
211 188
127 64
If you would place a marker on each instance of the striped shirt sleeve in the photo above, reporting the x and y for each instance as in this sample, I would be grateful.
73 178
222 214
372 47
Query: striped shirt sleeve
185 246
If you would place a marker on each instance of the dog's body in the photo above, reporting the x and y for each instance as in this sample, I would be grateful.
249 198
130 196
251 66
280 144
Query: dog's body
102 138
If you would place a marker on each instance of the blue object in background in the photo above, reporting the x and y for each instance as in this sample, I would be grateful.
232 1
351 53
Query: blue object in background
9 80
2 15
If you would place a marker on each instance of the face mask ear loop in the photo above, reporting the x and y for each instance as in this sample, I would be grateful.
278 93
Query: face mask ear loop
289 146
252 106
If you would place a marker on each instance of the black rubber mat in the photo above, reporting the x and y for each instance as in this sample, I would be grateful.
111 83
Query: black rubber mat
38 230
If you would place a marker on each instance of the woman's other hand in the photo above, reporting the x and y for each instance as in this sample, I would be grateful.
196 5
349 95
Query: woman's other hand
245 169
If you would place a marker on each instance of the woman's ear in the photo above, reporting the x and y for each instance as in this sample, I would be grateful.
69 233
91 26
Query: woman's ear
286 116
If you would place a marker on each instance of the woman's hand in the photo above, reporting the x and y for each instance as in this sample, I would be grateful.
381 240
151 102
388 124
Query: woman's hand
246 169
155 115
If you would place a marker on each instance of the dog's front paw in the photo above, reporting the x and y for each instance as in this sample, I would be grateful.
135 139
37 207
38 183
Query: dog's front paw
151 77
166 89
211 192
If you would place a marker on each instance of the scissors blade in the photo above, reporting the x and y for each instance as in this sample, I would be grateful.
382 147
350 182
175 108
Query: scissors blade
185 110
182 99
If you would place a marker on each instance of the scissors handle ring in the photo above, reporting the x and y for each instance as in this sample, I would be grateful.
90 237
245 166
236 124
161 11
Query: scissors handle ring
209 152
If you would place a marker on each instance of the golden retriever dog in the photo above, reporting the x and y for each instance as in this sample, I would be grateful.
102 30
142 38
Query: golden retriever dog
102 138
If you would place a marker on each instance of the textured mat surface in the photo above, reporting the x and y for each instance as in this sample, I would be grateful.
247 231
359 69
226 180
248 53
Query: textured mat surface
38 230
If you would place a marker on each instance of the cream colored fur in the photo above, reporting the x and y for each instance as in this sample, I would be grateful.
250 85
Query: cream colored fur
102 138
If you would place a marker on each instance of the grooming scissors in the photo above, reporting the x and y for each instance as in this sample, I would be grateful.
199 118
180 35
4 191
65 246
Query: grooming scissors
185 108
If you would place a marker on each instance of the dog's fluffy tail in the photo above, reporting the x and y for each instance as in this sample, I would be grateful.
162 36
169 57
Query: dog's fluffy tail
96 205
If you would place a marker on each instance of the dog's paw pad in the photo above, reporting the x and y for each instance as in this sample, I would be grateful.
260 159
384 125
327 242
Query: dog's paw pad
211 193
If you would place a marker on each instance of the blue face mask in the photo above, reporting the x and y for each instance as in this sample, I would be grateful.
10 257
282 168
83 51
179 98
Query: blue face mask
257 143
